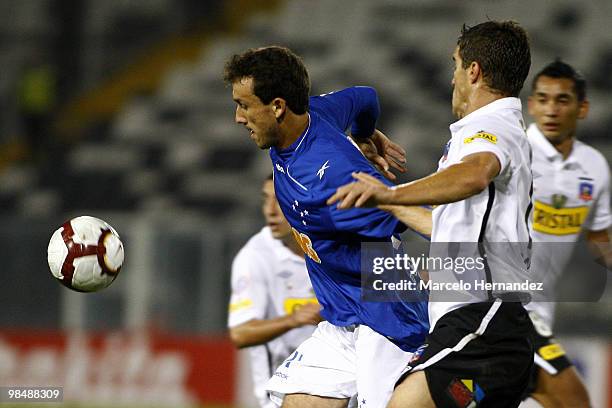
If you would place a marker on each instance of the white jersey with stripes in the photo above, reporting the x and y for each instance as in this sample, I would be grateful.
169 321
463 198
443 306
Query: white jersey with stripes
498 214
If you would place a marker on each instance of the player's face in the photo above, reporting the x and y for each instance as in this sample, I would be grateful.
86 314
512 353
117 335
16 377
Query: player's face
555 107
272 212
259 119
460 86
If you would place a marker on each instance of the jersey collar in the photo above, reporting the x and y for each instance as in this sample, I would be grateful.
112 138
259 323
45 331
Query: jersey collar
295 146
499 104
542 143
282 252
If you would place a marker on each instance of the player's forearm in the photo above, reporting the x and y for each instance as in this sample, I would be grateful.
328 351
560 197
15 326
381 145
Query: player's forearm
455 183
599 245
414 217
255 332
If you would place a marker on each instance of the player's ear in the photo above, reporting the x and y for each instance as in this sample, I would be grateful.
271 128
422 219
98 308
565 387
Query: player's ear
583 110
474 71
279 106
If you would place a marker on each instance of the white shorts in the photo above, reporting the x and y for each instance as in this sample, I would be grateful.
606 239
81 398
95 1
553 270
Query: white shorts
341 362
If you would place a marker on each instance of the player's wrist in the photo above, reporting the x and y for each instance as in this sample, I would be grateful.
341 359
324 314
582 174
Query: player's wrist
389 197
362 140
292 322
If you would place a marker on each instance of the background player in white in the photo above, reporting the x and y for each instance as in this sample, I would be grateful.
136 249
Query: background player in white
272 307
571 195
478 353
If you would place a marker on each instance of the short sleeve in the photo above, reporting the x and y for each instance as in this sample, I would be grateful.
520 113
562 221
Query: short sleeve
249 298
479 141
600 218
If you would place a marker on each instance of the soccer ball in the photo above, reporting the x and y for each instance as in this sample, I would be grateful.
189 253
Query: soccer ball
85 254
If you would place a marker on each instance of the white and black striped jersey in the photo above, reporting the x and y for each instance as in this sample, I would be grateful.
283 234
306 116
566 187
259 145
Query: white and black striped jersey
499 214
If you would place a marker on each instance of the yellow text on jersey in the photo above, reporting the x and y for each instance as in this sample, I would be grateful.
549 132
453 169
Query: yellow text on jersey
292 304
481 135
242 304
558 221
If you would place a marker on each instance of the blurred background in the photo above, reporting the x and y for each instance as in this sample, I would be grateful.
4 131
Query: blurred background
117 109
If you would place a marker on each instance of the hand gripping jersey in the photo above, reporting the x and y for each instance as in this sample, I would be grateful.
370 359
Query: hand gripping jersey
306 174
268 281
568 196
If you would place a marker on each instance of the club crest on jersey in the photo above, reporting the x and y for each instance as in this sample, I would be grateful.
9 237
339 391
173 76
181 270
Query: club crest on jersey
585 191
559 200
481 135
417 355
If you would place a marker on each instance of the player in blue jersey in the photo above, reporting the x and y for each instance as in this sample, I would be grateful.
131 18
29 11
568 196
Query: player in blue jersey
362 347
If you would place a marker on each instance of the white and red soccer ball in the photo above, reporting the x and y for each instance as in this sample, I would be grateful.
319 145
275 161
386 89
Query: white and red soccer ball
85 254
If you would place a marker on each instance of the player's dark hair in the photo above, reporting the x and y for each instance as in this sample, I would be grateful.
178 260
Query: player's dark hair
501 48
559 69
277 73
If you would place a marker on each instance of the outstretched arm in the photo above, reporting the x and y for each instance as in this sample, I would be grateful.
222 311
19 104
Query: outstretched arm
260 331
416 218
457 182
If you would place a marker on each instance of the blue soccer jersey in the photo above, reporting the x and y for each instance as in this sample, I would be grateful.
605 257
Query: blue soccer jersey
306 174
